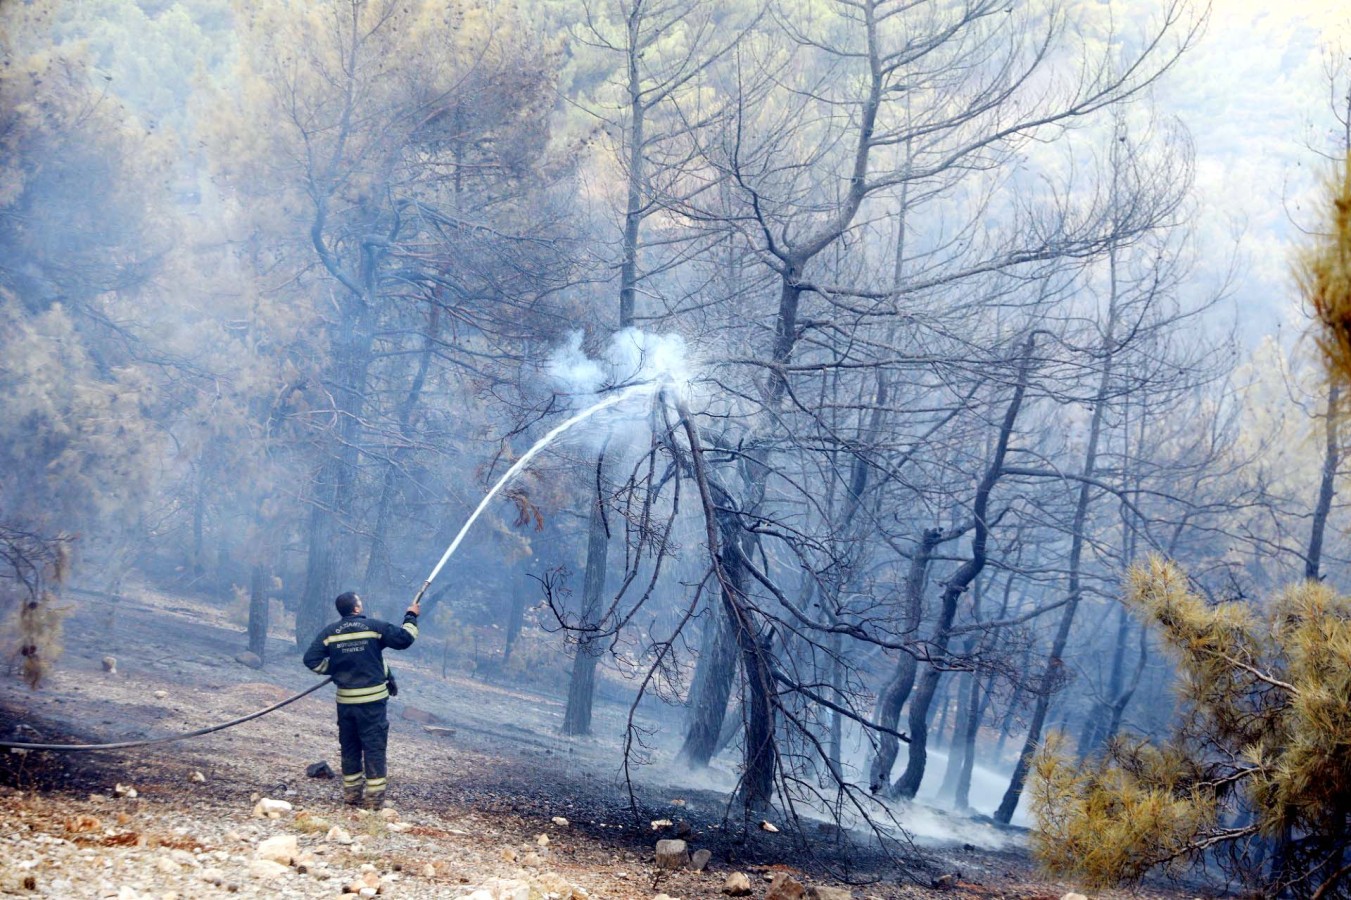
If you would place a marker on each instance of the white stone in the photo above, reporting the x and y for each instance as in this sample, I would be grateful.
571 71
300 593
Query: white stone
429 871
160 695
270 808
542 840
266 868
197 777
338 835
281 849
560 821
400 827
766 826
1073 896
737 885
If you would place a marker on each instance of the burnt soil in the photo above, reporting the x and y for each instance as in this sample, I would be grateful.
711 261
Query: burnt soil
478 767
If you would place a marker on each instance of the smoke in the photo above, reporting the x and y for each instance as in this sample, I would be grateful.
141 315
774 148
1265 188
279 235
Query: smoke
631 357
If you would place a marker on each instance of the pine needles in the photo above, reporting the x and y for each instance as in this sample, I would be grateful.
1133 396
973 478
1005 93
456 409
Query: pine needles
1323 273
1260 759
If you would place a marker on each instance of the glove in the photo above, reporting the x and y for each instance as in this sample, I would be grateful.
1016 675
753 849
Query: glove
392 684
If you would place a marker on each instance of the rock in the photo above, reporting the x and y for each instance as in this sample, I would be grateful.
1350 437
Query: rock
125 790
280 849
389 814
785 887
167 866
769 827
509 854
672 854
429 871
197 777
319 770
414 714
737 885
943 882
532 860
665 897
507 889
441 730
823 892
1073 896
400 827
542 840
558 886
700 859
559 821
213 876
269 808
250 659
160 695
659 824
110 665
266 868
338 835
369 881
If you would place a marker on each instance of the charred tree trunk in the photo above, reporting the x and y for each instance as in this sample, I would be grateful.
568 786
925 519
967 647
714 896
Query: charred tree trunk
723 532
757 781
891 699
377 562
582 683
258 613
961 795
961 580
1326 487
333 490
1055 663
198 516
714 675
515 618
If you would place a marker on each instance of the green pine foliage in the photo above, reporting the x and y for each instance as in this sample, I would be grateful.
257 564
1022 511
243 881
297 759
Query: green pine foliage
1323 272
1258 765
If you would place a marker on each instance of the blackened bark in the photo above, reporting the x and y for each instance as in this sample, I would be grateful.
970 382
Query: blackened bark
714 675
582 683
1055 663
961 580
515 618
258 613
896 691
1326 487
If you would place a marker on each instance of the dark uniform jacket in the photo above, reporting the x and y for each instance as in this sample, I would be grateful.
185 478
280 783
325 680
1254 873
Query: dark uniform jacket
351 651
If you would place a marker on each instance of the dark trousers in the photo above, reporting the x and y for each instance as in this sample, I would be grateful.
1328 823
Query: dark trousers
363 732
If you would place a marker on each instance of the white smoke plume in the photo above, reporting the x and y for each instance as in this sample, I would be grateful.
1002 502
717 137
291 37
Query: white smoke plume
631 357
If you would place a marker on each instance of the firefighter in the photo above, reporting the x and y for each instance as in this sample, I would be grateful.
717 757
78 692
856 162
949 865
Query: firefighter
351 651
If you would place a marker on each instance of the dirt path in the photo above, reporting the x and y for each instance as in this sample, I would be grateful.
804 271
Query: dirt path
480 793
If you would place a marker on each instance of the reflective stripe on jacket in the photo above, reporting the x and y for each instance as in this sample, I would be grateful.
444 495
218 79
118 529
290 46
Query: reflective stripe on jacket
351 650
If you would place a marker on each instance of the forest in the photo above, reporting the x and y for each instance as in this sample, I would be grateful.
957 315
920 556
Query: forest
915 440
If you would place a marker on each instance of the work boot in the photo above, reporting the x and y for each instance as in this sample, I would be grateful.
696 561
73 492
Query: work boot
374 801
352 796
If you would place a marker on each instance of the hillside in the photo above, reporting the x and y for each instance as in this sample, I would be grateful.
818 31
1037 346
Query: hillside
481 784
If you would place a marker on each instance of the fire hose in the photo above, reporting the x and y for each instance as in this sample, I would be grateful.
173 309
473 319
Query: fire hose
122 745
520 464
